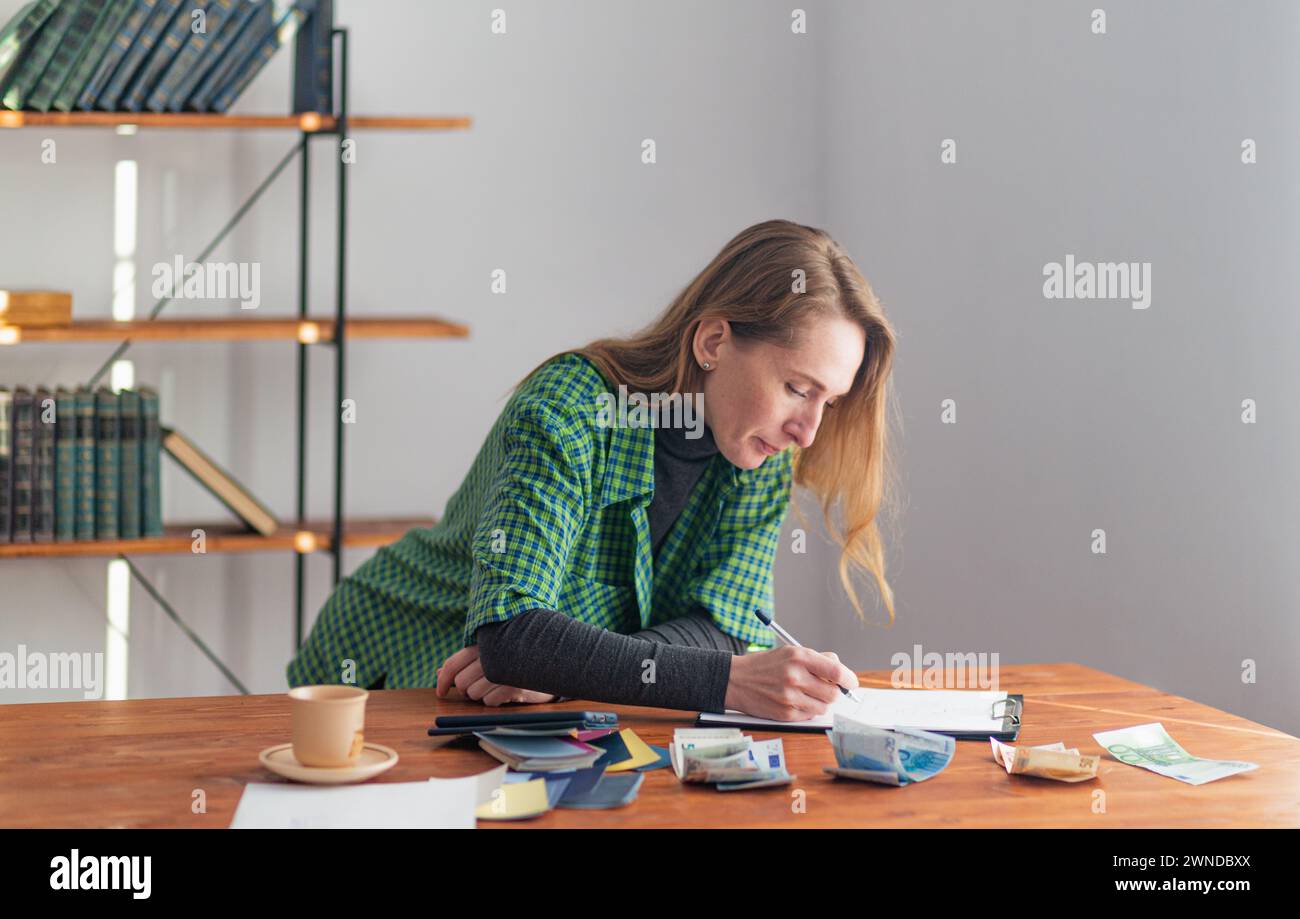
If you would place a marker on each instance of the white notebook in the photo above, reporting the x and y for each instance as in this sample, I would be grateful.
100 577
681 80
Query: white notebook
928 709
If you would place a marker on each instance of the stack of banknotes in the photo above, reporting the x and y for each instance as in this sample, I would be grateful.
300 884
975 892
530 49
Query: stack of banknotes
891 757
1048 761
732 760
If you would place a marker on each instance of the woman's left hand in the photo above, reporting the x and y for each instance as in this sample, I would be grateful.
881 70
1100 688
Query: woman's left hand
463 671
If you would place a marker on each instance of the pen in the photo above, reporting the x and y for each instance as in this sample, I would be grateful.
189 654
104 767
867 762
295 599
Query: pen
789 639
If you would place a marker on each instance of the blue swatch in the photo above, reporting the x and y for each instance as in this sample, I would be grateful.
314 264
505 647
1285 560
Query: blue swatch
616 790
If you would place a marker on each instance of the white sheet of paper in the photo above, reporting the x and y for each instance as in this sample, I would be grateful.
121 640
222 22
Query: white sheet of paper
928 709
434 804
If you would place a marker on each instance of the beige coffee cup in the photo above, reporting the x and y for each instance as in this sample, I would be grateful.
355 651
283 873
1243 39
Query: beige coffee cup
327 723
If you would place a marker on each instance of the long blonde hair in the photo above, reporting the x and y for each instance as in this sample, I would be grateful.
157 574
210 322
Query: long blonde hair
765 282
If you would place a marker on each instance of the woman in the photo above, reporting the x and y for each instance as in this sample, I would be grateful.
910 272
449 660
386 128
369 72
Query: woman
623 563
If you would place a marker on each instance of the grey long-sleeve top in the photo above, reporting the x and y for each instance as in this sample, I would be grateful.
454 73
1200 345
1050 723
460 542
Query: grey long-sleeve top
547 651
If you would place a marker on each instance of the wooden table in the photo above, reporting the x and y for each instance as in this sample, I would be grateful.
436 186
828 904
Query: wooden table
138 763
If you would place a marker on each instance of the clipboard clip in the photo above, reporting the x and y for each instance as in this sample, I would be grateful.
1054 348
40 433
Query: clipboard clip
1013 710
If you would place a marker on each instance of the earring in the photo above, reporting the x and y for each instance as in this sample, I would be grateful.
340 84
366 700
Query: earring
706 365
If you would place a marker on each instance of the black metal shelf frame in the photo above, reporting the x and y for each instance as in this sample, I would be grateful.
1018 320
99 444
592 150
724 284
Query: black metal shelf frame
302 150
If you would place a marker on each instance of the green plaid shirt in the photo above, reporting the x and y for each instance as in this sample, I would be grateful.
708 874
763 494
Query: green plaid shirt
552 515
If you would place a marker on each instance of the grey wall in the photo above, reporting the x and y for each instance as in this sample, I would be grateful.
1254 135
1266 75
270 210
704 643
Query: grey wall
1082 414
1072 415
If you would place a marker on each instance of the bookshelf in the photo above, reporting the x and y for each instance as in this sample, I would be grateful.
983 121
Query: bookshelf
306 331
308 122
301 537
223 536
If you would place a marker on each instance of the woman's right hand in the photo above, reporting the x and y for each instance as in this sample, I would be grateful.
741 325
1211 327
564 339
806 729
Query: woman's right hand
787 683
462 673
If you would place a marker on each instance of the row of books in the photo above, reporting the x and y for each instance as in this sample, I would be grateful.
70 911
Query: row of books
81 465
160 55
78 465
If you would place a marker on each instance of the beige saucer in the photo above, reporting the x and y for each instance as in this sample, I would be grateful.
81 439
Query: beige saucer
373 759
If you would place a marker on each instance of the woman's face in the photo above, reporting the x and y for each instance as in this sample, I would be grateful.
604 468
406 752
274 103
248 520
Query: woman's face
760 399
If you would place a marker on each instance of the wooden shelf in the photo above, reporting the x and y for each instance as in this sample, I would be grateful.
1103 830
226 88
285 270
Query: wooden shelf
225 537
309 122
307 331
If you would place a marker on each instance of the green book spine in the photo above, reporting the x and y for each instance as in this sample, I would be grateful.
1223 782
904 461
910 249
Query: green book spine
117 48
193 44
65 466
6 463
129 425
44 419
313 62
284 30
169 44
17 38
137 54
85 411
210 53
259 24
31 70
108 464
110 19
150 463
81 25
24 455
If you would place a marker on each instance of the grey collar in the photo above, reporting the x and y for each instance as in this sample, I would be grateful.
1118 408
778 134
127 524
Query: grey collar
675 442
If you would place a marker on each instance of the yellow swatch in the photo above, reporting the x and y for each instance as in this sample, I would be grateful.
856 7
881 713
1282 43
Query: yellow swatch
515 801
641 754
